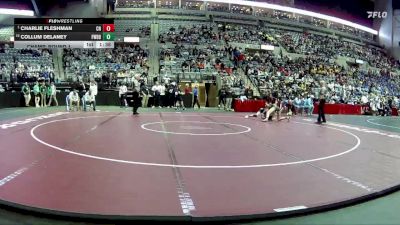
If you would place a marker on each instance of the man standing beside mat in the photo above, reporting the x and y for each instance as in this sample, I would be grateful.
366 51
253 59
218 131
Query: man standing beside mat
196 96
321 105
135 95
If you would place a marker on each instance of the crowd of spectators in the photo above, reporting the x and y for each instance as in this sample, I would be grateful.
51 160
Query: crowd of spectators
209 56
143 31
294 42
25 65
201 63
216 7
134 4
218 34
331 47
108 65
280 75
205 60
195 34
300 79
245 10
238 9
210 49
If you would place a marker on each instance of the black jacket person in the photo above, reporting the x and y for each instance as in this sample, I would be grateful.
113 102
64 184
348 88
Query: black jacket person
135 95
222 97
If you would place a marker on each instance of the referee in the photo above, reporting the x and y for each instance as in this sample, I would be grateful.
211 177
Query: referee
135 95
321 105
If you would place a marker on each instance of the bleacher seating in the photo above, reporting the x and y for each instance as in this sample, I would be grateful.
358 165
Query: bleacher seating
105 64
135 28
242 10
19 65
6 32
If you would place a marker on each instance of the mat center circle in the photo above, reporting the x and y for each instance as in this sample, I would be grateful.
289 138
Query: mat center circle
195 128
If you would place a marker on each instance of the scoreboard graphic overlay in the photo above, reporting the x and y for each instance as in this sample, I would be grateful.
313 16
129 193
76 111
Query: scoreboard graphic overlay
64 33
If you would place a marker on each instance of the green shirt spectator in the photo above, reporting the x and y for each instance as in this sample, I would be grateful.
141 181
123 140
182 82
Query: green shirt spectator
26 90
43 89
36 89
49 90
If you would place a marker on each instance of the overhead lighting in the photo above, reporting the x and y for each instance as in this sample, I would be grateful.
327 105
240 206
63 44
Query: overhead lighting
298 11
17 12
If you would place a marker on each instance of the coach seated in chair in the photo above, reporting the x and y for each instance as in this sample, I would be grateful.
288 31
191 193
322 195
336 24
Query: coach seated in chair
74 100
89 100
298 105
309 105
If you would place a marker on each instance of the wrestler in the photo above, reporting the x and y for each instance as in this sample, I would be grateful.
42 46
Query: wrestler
262 112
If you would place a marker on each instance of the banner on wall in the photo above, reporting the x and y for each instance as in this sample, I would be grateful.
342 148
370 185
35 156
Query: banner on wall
268 47
359 61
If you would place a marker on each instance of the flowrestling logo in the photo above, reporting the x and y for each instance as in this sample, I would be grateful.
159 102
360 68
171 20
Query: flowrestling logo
30 120
376 14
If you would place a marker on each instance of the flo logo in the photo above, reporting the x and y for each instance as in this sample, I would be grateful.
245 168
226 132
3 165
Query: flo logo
376 14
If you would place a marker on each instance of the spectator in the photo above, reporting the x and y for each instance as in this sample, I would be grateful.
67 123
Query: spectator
94 89
145 93
222 98
187 89
163 100
229 96
122 95
196 96
36 93
157 95
52 94
248 93
26 92
178 98
74 99
43 94
309 105
89 100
